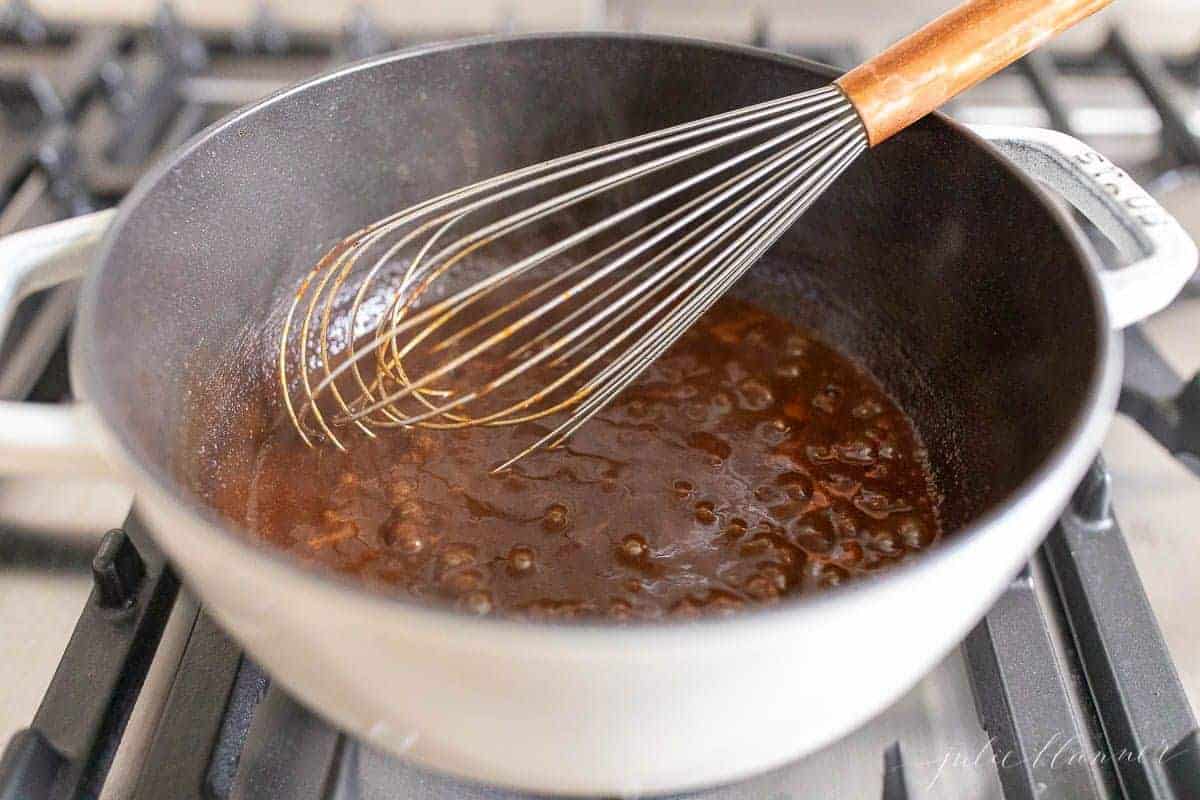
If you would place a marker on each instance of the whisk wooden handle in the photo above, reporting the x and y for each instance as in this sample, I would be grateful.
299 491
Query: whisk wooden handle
951 54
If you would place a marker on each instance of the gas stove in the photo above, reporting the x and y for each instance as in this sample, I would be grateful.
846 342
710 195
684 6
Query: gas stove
1080 683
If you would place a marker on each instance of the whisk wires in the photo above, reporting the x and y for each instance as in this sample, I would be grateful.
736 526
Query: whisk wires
434 316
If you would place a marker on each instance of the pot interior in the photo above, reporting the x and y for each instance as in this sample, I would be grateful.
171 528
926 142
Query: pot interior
929 261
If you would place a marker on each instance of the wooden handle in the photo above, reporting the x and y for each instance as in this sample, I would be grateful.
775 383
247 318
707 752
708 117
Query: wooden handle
951 54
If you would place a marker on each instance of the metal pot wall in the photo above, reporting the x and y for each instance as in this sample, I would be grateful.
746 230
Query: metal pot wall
934 261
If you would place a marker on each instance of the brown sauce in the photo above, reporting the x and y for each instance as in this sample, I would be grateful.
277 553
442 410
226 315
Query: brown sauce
750 463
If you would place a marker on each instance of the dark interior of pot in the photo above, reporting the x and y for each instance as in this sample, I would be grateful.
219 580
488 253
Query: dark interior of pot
929 261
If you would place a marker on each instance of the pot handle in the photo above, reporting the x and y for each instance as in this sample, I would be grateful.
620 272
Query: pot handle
36 438
1163 256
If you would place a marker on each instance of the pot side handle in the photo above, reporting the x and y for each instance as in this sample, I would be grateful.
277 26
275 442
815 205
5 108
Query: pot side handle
1163 256
37 438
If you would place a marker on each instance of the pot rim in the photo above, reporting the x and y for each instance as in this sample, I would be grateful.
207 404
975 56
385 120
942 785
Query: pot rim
1089 423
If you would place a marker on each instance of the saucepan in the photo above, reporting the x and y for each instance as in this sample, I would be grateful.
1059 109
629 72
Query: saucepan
939 261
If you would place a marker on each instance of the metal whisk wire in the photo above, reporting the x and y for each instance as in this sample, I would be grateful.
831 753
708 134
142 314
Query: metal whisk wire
601 320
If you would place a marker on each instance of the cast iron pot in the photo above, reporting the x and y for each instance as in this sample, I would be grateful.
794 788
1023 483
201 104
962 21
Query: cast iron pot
934 260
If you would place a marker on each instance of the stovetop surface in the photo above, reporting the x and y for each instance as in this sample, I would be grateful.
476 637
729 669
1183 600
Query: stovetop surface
85 109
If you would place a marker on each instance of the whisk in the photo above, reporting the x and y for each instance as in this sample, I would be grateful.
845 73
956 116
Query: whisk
434 317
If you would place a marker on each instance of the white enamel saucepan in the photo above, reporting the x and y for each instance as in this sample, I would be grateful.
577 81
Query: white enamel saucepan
936 260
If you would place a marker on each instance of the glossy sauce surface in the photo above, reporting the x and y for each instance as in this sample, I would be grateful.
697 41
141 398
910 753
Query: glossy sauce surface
749 463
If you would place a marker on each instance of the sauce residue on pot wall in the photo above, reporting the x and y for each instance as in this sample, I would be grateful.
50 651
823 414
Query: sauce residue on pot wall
750 463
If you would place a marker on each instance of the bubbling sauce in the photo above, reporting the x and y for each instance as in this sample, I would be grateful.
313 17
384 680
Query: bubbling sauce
750 463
